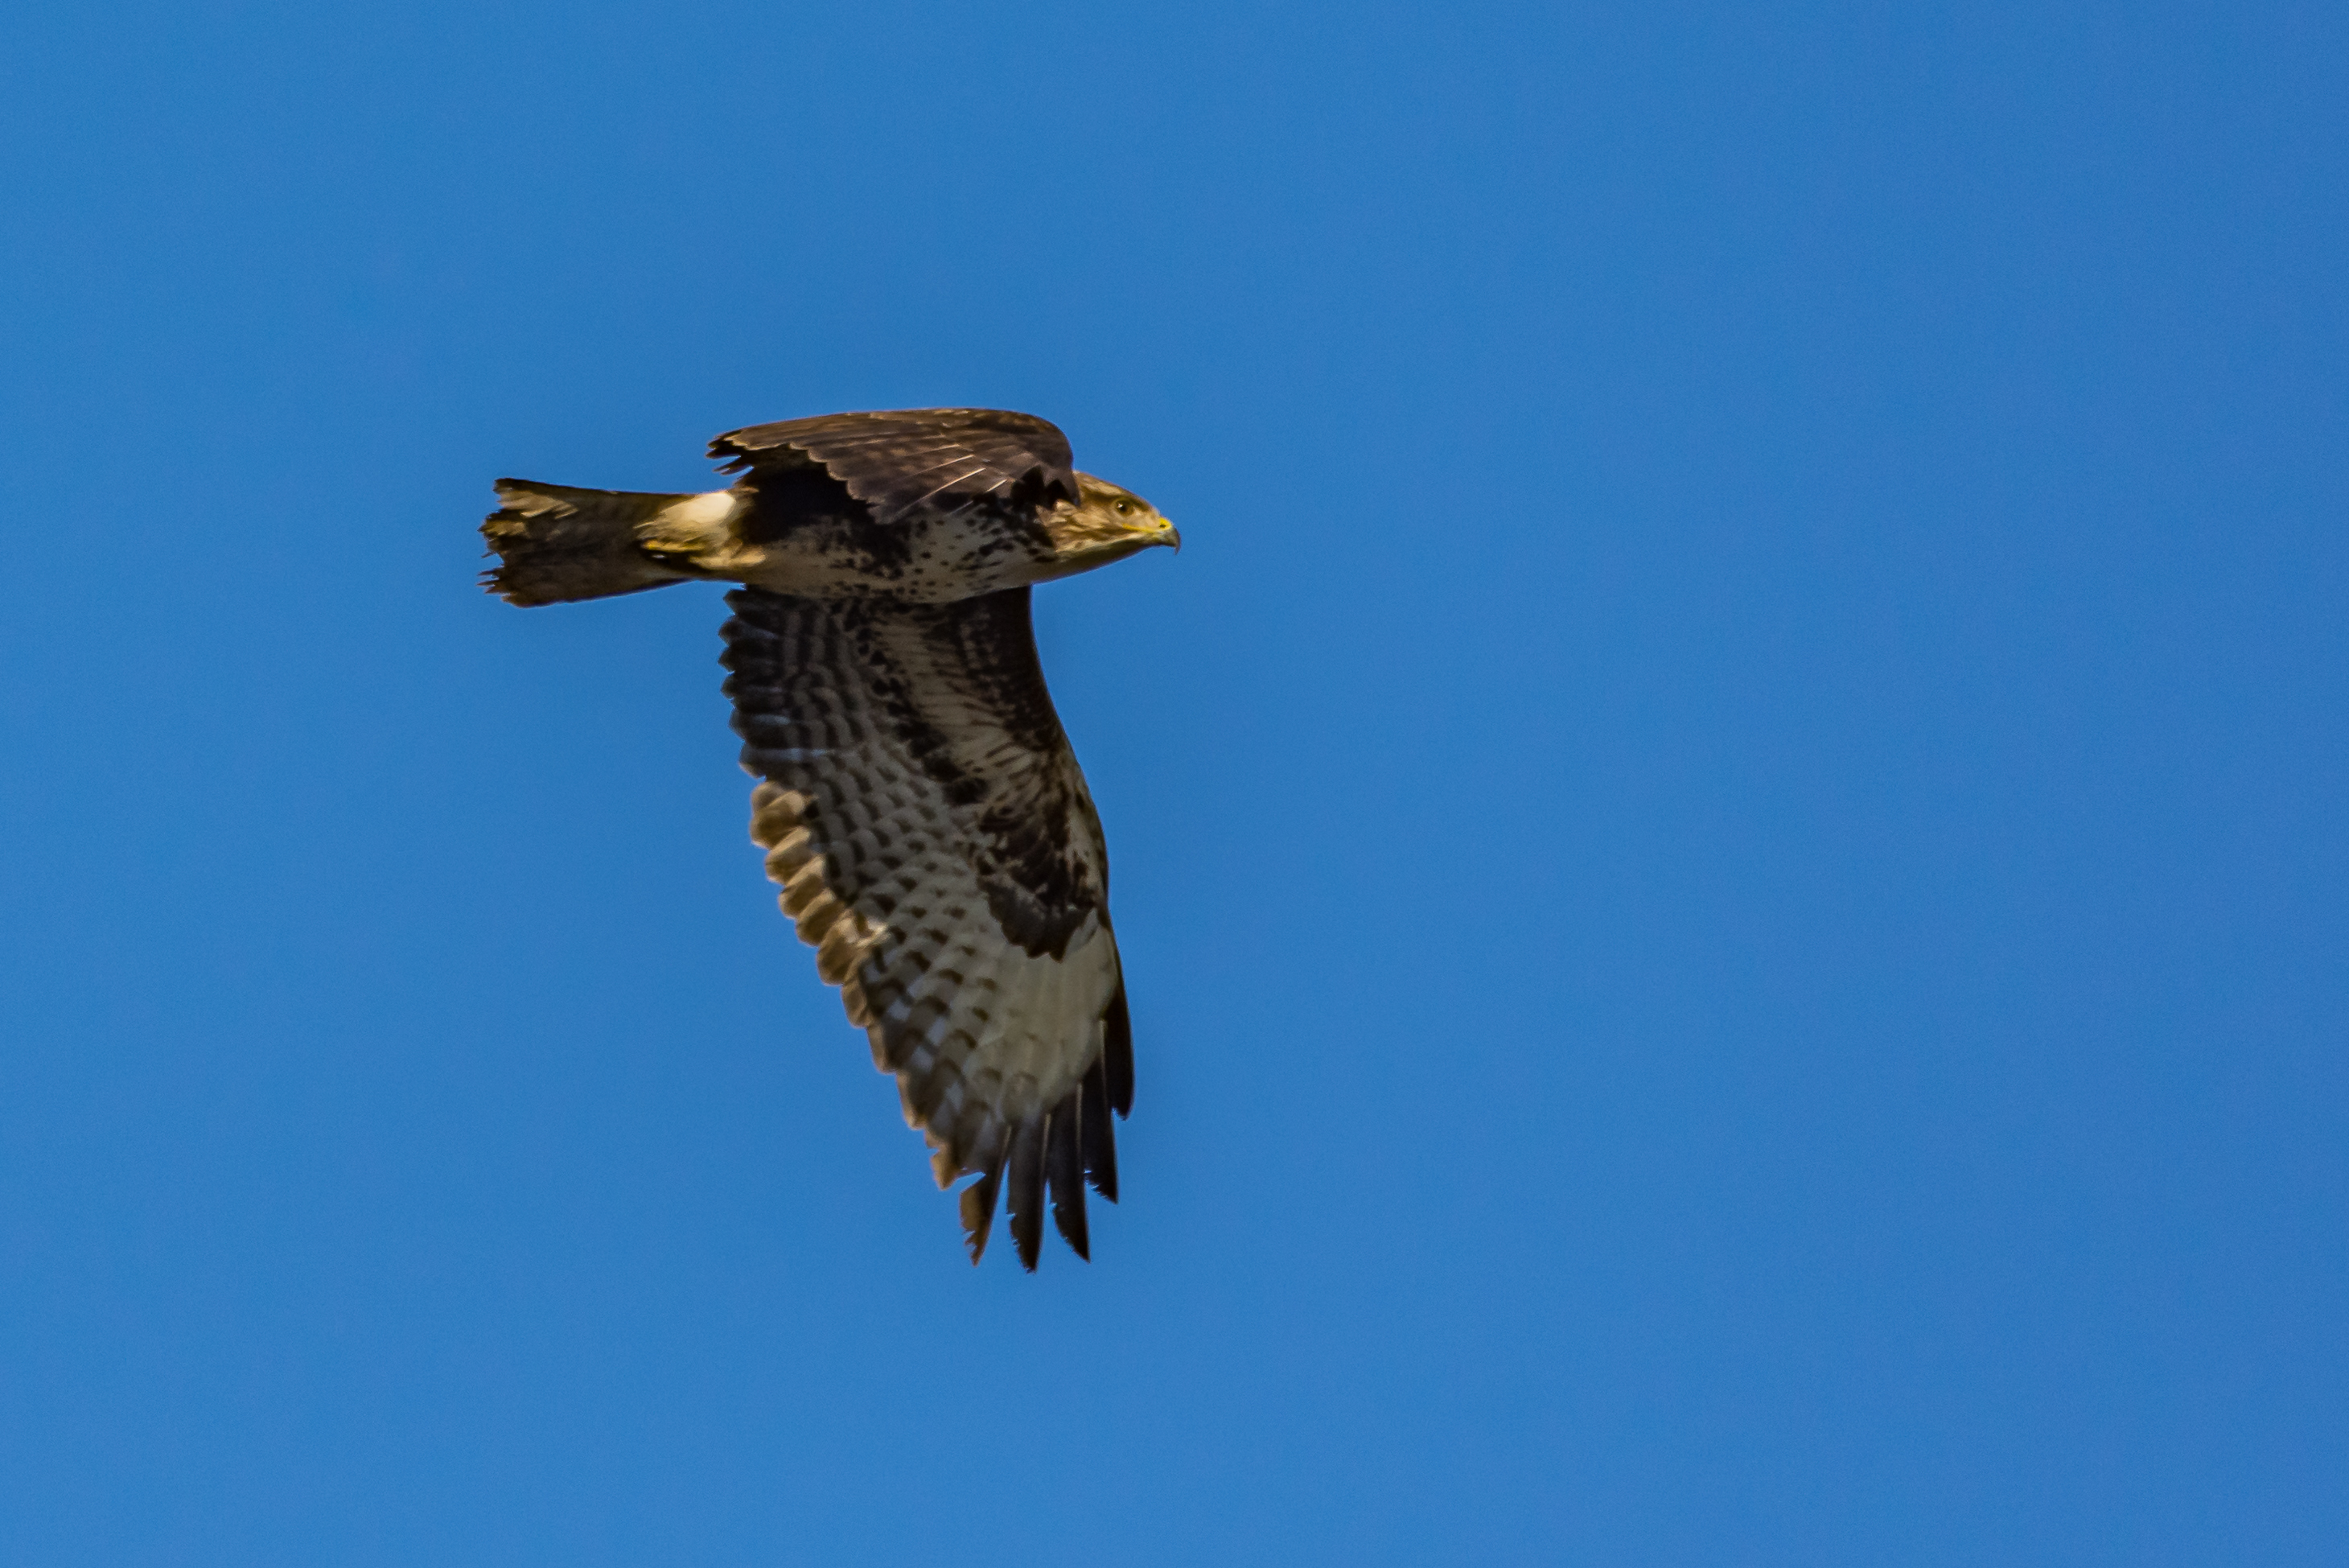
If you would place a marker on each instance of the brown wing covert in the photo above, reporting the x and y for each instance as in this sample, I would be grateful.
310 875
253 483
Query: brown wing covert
898 460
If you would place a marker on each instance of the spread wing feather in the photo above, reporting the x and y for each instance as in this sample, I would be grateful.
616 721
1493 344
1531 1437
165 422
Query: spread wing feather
898 460
936 844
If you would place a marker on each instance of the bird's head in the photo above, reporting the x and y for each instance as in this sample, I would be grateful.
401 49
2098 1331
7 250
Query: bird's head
1107 524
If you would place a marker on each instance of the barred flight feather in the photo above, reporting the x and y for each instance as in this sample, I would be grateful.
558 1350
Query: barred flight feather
932 837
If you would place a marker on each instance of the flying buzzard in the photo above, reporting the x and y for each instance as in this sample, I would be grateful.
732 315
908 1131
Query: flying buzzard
918 801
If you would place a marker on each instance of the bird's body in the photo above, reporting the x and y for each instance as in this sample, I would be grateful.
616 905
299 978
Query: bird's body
924 507
919 804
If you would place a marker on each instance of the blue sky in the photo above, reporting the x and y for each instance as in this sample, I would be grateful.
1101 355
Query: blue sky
1729 834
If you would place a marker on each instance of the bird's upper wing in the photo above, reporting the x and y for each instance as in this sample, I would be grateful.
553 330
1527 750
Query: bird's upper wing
898 460
936 844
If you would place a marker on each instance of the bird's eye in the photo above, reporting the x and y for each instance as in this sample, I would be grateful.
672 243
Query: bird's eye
1123 507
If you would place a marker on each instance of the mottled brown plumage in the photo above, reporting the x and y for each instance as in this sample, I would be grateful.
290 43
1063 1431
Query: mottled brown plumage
919 804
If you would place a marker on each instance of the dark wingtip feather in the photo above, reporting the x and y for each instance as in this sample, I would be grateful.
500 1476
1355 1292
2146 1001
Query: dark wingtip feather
1099 1138
978 1211
1064 1173
1117 1052
1026 1198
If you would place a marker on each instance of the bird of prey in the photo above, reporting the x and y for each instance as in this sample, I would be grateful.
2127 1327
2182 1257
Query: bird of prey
918 799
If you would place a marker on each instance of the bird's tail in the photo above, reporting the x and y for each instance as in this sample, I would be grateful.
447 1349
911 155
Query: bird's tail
557 544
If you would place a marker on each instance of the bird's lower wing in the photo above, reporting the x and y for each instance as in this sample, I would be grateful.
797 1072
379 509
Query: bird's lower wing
936 844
